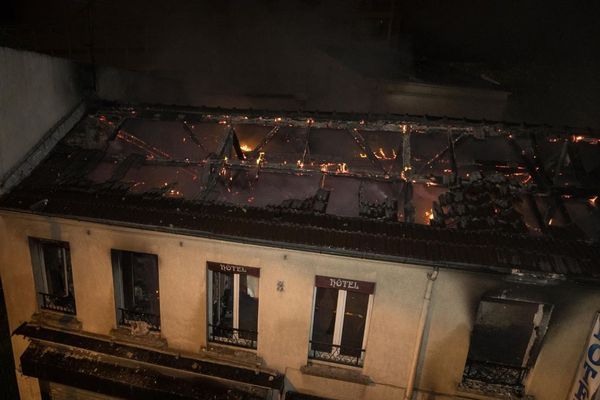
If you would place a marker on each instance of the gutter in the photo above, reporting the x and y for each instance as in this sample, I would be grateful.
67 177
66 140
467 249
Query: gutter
410 387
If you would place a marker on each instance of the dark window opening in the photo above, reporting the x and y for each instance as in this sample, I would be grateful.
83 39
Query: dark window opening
504 345
339 326
233 310
136 289
53 275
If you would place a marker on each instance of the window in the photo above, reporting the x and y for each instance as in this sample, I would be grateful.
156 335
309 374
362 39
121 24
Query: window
340 320
233 305
52 275
505 342
136 290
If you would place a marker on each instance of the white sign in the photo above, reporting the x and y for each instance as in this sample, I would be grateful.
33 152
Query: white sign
588 372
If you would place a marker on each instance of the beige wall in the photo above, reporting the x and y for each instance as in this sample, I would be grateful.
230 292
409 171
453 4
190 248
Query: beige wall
284 317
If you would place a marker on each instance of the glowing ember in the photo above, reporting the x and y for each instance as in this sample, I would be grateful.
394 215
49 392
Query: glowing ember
245 148
592 201
581 138
428 215
363 155
261 158
174 193
325 167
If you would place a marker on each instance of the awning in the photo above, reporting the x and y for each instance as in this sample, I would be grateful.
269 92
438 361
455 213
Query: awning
134 373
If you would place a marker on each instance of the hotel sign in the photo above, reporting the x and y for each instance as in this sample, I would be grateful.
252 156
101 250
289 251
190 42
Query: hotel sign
588 370
232 268
344 284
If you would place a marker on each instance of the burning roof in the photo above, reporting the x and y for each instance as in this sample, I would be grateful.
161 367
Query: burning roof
453 175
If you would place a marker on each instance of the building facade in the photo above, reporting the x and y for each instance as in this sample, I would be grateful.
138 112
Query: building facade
110 298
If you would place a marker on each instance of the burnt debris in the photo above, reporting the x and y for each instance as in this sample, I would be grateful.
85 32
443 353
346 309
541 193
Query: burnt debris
467 192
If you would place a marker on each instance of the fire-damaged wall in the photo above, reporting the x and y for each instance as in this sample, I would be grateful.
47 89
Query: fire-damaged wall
286 285
37 91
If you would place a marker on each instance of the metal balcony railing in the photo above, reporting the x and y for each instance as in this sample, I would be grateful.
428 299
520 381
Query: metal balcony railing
129 316
232 337
62 304
494 373
333 353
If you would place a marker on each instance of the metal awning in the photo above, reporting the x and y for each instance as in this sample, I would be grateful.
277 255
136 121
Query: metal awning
129 372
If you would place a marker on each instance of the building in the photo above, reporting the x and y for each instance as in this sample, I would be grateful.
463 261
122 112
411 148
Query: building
163 252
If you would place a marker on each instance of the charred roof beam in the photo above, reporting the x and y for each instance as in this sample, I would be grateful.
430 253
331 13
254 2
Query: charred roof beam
536 172
362 143
270 135
306 152
192 135
221 161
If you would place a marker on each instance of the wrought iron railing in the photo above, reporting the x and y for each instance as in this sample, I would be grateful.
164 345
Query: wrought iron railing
62 304
129 316
333 353
494 373
232 337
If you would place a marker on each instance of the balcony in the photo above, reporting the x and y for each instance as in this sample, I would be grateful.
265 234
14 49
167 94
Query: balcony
339 354
490 373
232 337
126 317
61 304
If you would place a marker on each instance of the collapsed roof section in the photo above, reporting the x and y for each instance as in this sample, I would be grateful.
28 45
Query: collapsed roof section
454 175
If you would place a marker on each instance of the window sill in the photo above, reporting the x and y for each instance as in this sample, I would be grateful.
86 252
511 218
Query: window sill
234 355
491 391
150 339
339 373
53 319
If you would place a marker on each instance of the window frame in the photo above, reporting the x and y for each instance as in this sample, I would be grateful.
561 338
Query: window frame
153 320
509 376
334 356
45 300
235 271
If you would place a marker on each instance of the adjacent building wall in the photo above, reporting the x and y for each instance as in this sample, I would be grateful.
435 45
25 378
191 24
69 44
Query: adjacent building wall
312 81
36 92
285 316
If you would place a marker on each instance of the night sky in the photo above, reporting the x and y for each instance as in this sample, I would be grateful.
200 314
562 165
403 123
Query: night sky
547 55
